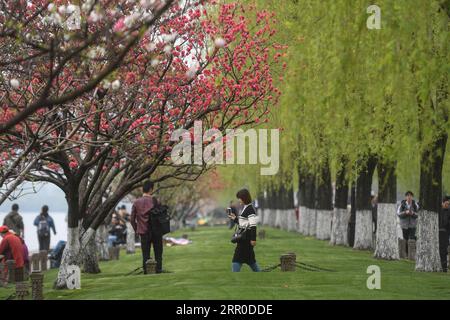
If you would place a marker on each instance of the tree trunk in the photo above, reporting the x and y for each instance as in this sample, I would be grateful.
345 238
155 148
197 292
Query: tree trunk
90 257
310 212
324 203
301 203
131 247
427 249
101 238
386 240
71 253
71 256
340 220
363 226
352 220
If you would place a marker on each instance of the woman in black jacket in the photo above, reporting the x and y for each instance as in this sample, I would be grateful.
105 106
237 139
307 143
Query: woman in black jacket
244 252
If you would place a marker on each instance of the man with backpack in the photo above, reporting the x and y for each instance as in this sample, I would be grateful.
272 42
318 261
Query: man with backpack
145 219
44 224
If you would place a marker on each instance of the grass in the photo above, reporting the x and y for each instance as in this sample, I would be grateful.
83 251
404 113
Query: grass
201 270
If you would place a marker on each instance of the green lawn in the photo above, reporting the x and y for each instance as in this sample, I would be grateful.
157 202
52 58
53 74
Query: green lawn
202 271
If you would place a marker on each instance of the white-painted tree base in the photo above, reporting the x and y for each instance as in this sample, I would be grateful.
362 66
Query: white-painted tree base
71 256
339 227
427 246
101 239
363 230
301 222
131 245
386 246
323 225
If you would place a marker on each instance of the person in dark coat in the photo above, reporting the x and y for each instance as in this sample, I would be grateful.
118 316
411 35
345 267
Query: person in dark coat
244 252
148 232
444 232
14 221
44 224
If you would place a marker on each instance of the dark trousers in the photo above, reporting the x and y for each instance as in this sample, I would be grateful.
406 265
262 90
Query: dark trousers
44 242
409 234
443 249
146 245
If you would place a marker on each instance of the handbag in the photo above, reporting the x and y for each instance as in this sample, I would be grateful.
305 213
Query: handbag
239 234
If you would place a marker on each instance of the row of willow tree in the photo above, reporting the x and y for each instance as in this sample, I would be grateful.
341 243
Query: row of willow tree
362 105
91 97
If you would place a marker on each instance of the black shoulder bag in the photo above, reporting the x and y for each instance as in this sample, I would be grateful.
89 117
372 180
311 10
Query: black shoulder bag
159 217
239 234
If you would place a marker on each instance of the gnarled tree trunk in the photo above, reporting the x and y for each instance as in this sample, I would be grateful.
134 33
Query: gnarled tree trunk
386 241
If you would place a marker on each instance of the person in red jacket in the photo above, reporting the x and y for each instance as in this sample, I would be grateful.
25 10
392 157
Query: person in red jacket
12 248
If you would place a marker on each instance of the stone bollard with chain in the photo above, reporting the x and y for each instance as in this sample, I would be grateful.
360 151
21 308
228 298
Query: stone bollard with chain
44 257
288 261
37 285
150 266
11 264
411 249
21 290
262 234
402 248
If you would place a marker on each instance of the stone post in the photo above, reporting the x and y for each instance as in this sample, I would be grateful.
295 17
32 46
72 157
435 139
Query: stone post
288 261
21 290
11 270
44 257
2 274
36 262
412 249
402 248
37 285
262 234
150 266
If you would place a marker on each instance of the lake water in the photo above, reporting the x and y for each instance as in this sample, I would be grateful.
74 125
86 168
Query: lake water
31 232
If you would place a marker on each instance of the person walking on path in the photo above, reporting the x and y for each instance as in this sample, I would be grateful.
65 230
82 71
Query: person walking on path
444 232
44 224
244 252
140 220
14 221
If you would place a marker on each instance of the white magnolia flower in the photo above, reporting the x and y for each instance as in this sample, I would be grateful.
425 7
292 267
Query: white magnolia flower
106 84
70 9
95 17
115 85
154 62
192 71
14 83
169 37
220 42
168 49
62 9
150 47
51 6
